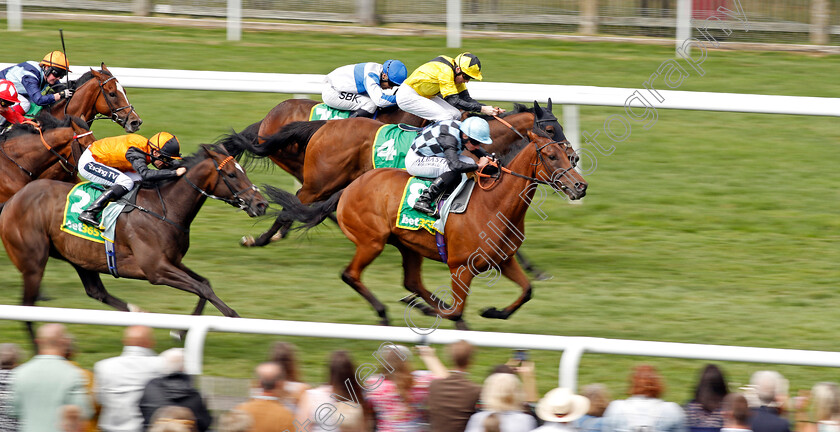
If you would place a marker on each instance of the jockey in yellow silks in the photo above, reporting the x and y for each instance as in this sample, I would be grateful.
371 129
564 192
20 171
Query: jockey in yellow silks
437 90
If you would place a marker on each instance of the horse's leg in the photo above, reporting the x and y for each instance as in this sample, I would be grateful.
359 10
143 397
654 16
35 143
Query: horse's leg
530 268
412 262
268 236
199 308
412 279
365 254
96 290
166 273
511 270
30 257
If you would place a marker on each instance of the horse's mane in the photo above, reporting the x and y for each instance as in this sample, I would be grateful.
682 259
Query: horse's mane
517 146
87 76
47 122
201 154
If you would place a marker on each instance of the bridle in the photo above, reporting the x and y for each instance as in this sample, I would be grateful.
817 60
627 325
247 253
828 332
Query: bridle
563 144
237 200
111 106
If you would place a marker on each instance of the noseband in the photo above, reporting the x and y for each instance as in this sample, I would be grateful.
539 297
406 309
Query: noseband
237 200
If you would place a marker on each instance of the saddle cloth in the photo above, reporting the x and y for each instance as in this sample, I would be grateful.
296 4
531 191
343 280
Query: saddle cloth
411 219
323 111
391 145
77 201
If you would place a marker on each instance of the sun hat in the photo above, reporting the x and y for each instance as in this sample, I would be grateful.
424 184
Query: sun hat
562 406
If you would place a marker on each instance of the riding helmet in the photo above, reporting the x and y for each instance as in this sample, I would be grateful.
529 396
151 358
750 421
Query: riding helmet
477 129
396 71
167 144
469 65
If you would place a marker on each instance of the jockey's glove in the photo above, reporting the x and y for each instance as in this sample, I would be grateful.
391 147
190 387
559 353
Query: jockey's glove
66 93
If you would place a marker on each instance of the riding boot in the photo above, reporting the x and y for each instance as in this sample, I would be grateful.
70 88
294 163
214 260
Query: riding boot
438 187
91 214
361 113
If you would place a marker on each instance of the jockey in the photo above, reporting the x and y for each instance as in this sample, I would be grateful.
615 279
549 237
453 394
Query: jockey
122 160
436 152
359 87
31 79
437 90
9 97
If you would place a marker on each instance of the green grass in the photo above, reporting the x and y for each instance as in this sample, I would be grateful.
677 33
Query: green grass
718 228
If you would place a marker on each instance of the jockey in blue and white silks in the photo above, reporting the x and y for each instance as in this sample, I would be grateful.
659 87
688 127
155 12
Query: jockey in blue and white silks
32 78
359 87
436 152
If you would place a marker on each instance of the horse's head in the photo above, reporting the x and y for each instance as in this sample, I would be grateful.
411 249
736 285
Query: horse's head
545 120
556 167
232 185
113 101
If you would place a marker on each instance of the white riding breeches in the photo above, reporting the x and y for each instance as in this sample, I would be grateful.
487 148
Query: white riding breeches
102 174
434 109
346 101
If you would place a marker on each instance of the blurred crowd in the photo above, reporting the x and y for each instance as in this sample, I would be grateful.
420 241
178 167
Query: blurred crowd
141 390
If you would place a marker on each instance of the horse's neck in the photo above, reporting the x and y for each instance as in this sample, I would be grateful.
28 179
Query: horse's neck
182 200
30 152
502 141
512 195
83 102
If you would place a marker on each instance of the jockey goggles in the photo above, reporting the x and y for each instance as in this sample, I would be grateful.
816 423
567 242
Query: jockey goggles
5 104
56 72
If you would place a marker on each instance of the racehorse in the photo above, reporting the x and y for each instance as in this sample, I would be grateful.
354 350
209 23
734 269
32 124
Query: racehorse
483 238
291 157
339 151
99 93
150 241
28 152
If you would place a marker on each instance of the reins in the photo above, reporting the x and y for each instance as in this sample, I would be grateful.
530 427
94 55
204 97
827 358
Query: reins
111 107
502 169
61 159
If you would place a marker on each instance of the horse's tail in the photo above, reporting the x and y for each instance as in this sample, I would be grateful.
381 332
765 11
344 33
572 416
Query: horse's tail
299 132
296 211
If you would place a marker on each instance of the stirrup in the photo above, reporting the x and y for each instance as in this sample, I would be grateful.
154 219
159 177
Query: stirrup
428 210
91 220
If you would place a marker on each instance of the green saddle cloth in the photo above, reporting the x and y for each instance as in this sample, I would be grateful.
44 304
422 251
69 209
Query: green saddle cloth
323 111
409 218
77 201
391 145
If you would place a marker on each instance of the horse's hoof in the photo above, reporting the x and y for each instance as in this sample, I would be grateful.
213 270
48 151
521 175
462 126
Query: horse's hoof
385 322
178 335
43 297
279 236
135 308
461 325
492 312
247 241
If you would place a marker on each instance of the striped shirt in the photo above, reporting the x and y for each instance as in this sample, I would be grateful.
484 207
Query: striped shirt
435 138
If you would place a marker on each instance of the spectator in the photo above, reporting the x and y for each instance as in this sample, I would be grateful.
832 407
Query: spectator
453 399
644 409
736 413
825 409
173 419
174 389
771 390
704 413
559 409
90 424
71 419
235 421
502 394
265 407
398 395
599 399
283 353
119 381
41 386
492 423
9 359
343 392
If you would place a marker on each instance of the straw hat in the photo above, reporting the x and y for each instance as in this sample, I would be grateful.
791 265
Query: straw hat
561 406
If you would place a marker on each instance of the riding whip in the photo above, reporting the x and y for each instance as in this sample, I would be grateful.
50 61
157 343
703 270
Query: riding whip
64 50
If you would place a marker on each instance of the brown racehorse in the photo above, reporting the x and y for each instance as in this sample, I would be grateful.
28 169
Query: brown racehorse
339 151
483 238
150 241
99 93
27 153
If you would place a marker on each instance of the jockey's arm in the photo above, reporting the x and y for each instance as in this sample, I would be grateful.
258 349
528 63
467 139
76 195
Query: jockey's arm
33 89
137 159
381 99
479 152
463 101
451 153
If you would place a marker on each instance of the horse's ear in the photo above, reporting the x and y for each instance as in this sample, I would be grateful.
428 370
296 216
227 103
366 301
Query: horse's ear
532 136
536 105
548 107
96 73
105 68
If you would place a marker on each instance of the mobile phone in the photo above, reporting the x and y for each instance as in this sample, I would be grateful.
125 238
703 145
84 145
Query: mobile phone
520 355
